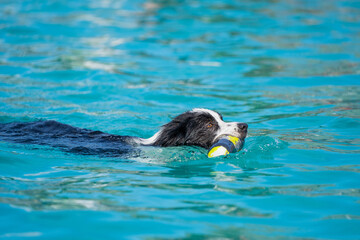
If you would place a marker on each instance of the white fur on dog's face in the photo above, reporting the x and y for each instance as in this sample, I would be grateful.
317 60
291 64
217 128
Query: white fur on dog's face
198 127
225 128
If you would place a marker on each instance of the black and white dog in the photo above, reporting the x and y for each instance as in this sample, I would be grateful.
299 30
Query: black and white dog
198 127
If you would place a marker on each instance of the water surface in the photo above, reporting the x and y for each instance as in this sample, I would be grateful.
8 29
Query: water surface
290 69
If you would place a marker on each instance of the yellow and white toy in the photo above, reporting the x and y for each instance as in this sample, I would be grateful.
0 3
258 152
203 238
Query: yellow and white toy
226 145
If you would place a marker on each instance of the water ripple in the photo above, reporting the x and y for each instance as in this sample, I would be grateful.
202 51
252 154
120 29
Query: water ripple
290 69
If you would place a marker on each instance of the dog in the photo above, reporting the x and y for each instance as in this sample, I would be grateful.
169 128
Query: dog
197 127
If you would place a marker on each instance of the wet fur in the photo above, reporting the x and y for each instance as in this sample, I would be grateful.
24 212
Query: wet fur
190 128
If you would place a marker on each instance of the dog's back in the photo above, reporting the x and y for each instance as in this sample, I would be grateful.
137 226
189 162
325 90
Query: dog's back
67 138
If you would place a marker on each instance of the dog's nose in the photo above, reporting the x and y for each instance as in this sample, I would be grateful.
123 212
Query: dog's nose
242 126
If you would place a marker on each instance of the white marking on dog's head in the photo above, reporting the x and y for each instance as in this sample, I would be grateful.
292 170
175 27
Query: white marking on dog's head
225 128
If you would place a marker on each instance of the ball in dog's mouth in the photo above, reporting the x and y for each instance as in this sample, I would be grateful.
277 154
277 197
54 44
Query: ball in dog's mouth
225 145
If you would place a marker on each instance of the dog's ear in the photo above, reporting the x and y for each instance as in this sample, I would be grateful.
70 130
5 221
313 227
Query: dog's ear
188 133
174 133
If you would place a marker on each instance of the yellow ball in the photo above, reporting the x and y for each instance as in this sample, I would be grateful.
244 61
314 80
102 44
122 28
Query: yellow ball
225 145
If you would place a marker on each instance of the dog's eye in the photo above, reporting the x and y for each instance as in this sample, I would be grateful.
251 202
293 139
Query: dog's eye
209 125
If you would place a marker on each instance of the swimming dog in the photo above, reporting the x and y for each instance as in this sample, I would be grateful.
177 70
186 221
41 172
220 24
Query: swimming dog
198 127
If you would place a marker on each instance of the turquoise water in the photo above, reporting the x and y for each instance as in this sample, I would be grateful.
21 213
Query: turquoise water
290 69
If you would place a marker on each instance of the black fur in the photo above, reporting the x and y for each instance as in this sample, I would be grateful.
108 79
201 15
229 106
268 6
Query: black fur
68 138
189 128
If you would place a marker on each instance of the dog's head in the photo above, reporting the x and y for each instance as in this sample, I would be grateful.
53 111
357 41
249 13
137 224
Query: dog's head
199 127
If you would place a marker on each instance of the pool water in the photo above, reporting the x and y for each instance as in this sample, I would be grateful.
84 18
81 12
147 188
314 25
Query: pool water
290 69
